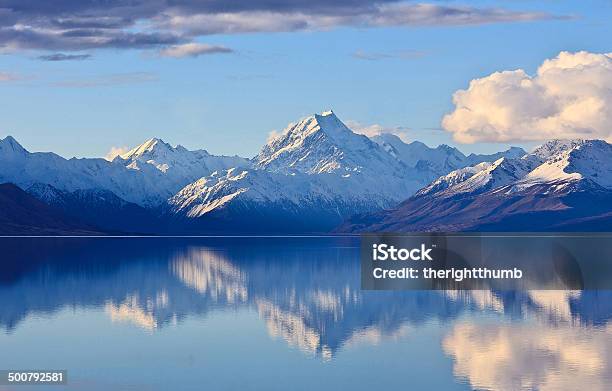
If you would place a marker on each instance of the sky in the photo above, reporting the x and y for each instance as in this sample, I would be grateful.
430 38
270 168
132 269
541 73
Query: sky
79 78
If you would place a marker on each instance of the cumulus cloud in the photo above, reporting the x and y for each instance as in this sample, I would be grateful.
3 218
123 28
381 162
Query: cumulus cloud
114 152
64 57
80 25
376 130
569 97
192 50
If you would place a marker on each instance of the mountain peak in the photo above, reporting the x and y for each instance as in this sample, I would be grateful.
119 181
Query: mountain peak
327 117
515 150
449 150
151 145
9 138
9 144
554 147
571 160
322 143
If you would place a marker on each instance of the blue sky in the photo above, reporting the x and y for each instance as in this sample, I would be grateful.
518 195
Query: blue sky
387 74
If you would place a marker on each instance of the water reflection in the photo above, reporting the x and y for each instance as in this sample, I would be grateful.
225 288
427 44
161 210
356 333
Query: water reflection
531 356
307 293
210 274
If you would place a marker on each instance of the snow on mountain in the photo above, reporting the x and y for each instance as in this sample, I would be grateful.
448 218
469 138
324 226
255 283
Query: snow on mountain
259 186
320 144
137 179
182 165
317 167
574 160
435 162
479 178
554 161
344 162
25 169
251 186
177 165
453 178
555 147
311 177
263 201
498 173
442 158
561 185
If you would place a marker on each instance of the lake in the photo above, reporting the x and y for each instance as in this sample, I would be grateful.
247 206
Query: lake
279 314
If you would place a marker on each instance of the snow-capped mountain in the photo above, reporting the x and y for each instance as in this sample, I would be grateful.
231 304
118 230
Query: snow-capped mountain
324 144
561 185
148 176
576 160
179 165
479 178
556 147
553 162
435 162
412 153
317 171
310 178
243 199
24 169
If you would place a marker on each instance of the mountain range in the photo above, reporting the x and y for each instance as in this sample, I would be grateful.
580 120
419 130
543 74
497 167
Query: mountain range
560 186
314 177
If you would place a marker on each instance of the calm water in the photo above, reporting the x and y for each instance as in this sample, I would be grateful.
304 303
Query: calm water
279 314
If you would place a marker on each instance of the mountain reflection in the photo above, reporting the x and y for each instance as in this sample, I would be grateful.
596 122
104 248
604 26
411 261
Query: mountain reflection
210 274
307 291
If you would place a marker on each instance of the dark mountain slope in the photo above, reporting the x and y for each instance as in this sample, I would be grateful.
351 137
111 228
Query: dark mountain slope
584 206
100 208
22 214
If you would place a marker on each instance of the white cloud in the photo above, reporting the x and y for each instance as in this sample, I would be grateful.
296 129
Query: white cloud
569 97
376 129
114 152
370 16
192 50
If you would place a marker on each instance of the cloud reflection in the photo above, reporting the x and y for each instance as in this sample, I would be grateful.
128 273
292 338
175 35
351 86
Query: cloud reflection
528 356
